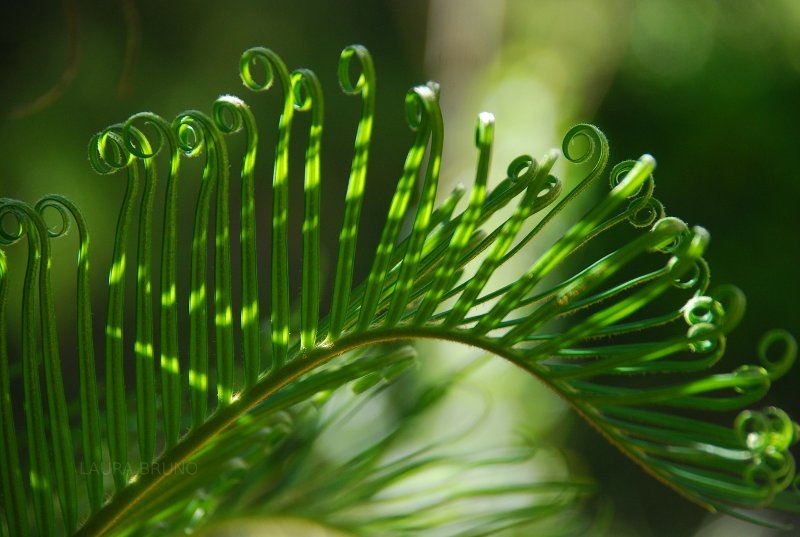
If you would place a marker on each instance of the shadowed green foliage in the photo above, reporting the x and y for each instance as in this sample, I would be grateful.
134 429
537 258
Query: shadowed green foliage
240 414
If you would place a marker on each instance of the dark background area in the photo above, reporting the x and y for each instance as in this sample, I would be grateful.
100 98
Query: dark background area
711 89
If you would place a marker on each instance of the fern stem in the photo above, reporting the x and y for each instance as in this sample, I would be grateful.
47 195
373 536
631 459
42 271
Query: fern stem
348 237
308 95
107 152
191 128
57 404
223 295
418 120
127 500
574 236
215 174
665 230
242 117
426 98
279 273
89 404
169 362
484 137
509 230
40 476
14 499
144 345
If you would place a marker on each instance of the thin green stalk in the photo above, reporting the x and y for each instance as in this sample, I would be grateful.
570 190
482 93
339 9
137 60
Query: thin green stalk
574 236
39 471
190 129
484 137
419 103
665 230
14 497
427 98
60 431
308 96
279 274
91 441
144 343
345 261
107 153
231 114
223 293
510 228
169 362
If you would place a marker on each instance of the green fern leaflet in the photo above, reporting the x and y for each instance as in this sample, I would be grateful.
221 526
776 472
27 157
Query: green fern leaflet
209 391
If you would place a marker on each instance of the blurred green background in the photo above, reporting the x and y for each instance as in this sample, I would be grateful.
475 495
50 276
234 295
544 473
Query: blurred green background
711 88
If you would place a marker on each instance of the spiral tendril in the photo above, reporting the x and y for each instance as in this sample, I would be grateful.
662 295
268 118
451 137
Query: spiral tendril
89 404
108 151
780 365
768 435
365 83
9 237
155 123
521 168
232 115
427 99
306 90
190 132
415 106
595 143
547 194
60 209
227 112
703 309
733 304
262 57
645 211
484 137
424 117
704 338
620 170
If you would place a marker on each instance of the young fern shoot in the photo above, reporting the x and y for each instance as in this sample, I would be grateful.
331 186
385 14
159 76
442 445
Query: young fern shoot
643 307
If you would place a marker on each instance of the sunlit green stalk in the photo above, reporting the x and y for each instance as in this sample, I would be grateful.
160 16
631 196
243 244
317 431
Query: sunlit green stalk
279 274
89 403
231 114
144 343
190 128
308 95
426 98
484 136
420 103
575 235
169 363
345 261
465 302
108 153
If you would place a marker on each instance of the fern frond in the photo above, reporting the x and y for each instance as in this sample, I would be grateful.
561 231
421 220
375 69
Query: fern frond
643 307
